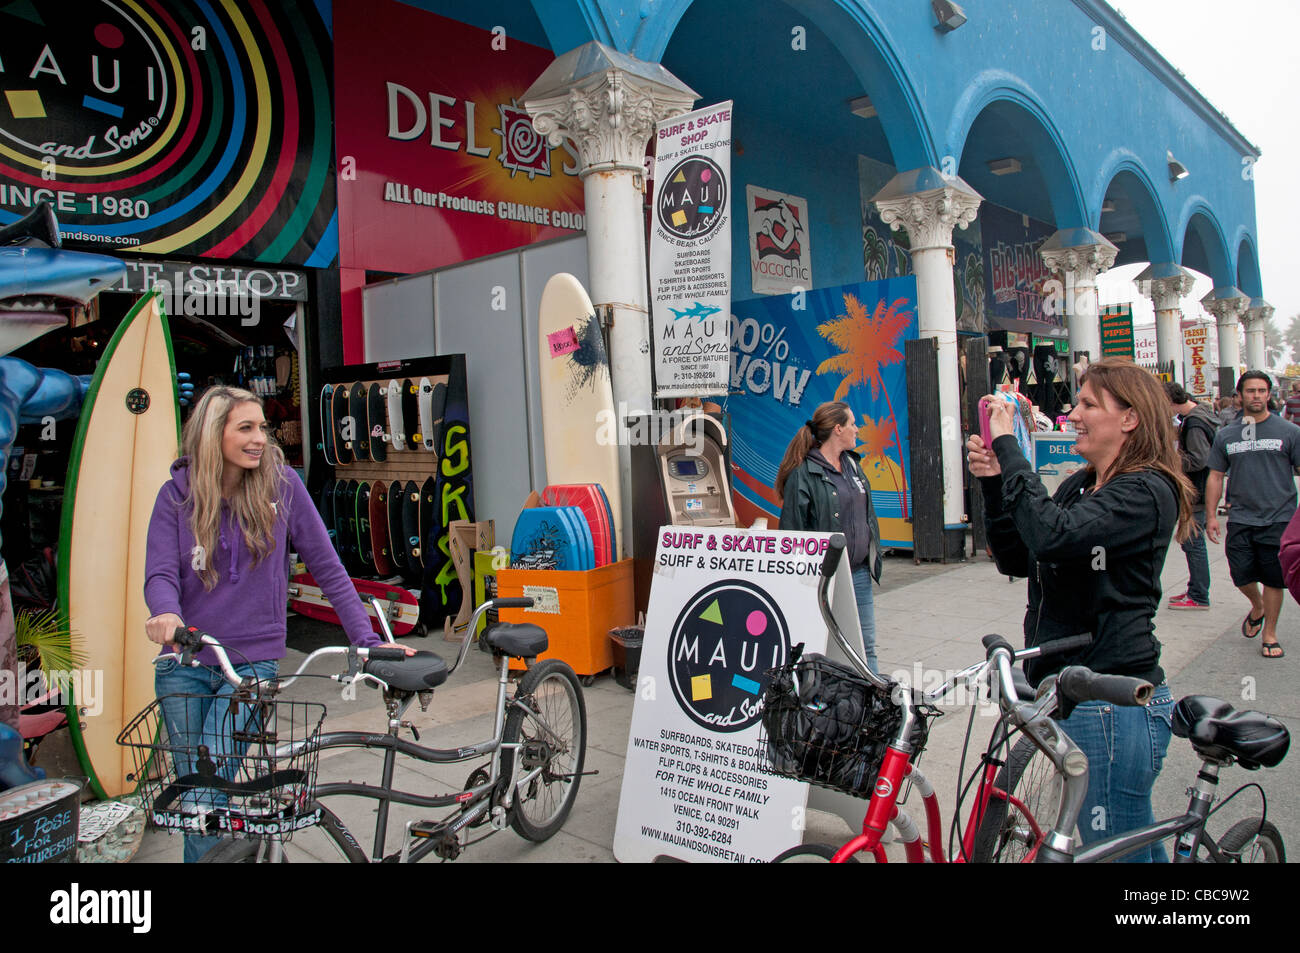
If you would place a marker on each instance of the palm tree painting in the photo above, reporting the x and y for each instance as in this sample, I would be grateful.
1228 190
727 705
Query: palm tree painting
868 343
875 254
875 437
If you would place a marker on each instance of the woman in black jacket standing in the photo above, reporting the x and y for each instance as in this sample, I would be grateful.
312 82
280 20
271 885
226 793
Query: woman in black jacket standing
822 488
1093 554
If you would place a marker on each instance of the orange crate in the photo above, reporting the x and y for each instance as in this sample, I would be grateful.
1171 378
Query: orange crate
590 603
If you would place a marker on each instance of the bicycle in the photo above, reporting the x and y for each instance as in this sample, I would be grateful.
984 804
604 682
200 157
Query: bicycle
1026 808
261 788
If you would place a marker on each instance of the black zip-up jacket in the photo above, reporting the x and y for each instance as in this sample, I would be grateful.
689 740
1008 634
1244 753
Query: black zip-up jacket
809 503
1092 557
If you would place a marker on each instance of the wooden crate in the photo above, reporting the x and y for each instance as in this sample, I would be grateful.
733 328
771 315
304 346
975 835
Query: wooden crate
589 604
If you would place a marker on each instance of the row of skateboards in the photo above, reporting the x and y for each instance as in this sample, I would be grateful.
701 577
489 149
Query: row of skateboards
365 422
378 528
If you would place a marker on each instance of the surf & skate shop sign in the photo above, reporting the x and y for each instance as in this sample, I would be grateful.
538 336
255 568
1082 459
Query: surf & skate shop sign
690 253
725 606
780 256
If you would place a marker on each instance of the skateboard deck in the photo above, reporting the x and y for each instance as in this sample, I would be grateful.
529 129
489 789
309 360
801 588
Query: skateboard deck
338 411
576 394
125 441
396 542
411 526
428 521
327 424
402 608
379 547
347 517
377 415
396 426
358 411
426 414
437 408
362 504
327 511
411 414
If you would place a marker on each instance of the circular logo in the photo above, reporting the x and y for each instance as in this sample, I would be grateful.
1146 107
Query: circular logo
692 198
884 788
726 637
137 400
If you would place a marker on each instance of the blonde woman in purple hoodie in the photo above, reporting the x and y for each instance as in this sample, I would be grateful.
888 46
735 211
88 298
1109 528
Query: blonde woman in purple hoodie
218 559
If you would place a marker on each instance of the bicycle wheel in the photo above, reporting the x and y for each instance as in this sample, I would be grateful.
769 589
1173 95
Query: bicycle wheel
1266 848
329 840
810 854
551 690
1005 835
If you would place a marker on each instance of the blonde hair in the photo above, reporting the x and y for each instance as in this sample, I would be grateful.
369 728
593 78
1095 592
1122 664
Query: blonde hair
254 501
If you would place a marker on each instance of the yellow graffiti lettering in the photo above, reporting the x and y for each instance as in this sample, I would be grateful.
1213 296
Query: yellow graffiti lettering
460 448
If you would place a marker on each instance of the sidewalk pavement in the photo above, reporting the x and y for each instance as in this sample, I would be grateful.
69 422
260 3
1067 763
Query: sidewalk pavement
931 616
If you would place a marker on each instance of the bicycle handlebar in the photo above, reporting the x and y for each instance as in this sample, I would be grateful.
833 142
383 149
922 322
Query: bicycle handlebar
1079 684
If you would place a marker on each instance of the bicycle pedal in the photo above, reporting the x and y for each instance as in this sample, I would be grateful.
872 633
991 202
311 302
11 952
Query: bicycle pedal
425 829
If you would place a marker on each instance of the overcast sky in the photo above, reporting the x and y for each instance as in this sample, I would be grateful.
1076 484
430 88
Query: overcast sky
1242 56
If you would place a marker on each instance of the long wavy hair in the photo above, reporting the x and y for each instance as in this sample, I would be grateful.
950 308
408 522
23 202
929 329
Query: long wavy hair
256 496
812 434
1151 445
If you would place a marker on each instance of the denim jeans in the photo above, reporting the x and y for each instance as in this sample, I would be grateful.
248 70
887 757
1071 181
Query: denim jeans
196 721
1198 563
1126 748
866 613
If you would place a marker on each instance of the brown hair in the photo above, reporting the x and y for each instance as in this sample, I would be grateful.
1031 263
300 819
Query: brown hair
812 434
1151 446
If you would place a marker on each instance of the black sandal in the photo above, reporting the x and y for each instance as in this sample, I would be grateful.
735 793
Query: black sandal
1248 623
1267 649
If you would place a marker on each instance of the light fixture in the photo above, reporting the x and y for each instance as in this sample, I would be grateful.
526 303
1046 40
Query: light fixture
1108 206
950 15
1117 238
862 107
1176 169
1006 166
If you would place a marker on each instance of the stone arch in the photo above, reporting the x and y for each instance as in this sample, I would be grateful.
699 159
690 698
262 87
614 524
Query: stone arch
1248 279
1003 96
1124 172
1201 244
865 46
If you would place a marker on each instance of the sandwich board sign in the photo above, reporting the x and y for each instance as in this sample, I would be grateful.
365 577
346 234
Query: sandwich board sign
726 605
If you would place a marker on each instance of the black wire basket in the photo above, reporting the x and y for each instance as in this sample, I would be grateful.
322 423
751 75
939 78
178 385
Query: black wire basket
826 725
239 765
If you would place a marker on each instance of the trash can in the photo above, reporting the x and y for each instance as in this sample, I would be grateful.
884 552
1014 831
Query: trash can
627 641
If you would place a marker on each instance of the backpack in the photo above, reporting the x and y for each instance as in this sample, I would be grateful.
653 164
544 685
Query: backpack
1198 477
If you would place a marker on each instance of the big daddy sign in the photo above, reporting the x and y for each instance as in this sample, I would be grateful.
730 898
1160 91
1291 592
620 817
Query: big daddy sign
726 606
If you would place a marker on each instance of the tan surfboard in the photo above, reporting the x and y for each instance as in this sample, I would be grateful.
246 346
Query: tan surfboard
127 437
577 401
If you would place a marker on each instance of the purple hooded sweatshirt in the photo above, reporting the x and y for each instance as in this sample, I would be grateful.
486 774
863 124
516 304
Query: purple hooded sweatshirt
246 609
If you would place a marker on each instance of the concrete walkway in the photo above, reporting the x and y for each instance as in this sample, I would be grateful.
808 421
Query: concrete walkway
931 616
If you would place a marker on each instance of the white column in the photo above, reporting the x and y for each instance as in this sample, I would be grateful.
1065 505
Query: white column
1166 285
607 105
1227 305
1258 314
1079 263
929 216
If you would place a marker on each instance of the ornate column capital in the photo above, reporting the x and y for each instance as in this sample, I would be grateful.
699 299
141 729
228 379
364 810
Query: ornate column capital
928 205
1080 252
1226 304
1258 313
1166 285
606 103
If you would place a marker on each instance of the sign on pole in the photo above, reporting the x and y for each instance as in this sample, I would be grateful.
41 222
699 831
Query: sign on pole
1117 331
1196 344
690 253
725 606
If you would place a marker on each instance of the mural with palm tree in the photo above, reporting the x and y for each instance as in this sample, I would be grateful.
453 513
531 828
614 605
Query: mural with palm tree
868 343
875 437
875 254
973 274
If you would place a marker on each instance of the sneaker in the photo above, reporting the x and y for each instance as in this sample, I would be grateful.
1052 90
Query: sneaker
1183 602
1178 598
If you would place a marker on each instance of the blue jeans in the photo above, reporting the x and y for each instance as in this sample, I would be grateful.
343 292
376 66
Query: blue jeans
1126 749
195 721
1198 563
866 613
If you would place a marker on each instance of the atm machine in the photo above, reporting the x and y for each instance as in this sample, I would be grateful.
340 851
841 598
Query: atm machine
680 478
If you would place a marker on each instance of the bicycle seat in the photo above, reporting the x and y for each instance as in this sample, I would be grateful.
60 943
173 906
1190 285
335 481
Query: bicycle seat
1219 733
415 673
516 639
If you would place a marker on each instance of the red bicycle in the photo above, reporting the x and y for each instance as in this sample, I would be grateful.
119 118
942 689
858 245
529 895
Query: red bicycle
861 734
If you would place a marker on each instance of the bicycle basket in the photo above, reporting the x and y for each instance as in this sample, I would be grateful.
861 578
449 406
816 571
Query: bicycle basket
825 724
235 765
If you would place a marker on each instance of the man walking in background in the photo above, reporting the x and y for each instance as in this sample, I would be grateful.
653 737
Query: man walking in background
1262 452
1196 429
1293 403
